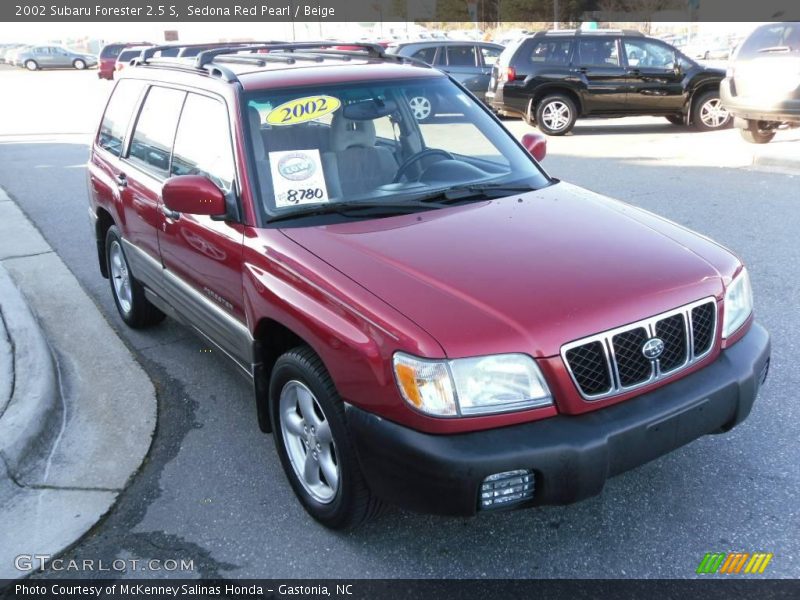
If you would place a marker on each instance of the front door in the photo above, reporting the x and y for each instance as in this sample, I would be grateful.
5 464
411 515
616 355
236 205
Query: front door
655 84
202 256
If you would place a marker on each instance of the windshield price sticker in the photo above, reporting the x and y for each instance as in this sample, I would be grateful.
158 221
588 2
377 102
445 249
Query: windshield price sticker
301 110
297 178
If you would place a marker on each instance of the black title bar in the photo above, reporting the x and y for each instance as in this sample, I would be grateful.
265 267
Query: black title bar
479 11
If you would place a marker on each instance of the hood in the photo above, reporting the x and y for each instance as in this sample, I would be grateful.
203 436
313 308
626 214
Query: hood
524 274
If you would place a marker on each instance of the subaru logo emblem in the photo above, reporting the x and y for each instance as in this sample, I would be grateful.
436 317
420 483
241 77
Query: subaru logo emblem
653 348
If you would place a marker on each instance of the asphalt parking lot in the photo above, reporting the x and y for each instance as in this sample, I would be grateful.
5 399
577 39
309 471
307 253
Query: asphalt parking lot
212 488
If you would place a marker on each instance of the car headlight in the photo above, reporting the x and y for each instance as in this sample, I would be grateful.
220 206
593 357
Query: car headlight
738 303
471 386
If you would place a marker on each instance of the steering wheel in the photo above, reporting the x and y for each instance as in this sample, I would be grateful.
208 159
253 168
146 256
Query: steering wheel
417 157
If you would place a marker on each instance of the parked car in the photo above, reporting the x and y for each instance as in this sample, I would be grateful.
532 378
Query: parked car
5 49
554 77
426 319
762 87
34 58
108 57
12 53
470 63
127 55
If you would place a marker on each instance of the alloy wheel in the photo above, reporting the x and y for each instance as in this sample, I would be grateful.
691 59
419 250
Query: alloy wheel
120 277
713 114
556 115
421 107
309 442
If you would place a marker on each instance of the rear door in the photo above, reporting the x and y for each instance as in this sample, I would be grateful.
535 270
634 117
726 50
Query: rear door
144 169
655 84
202 256
598 66
487 57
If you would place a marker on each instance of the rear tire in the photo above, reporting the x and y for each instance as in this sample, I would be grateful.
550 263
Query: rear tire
556 114
708 113
31 65
313 442
675 119
132 305
756 135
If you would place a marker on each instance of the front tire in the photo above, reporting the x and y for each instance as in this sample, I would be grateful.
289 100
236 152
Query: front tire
675 119
79 64
709 114
313 442
31 65
556 114
755 135
132 305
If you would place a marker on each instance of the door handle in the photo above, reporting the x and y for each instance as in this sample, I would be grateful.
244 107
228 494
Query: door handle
122 180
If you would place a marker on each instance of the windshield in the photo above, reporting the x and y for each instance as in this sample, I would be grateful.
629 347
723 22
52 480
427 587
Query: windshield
379 142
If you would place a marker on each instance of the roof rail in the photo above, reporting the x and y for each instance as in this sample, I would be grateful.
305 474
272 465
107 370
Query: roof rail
373 50
579 32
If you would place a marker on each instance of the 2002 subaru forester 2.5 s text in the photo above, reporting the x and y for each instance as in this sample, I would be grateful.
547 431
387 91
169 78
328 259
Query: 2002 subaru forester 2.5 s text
427 318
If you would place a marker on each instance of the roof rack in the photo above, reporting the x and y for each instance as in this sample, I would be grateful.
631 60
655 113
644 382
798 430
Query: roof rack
213 54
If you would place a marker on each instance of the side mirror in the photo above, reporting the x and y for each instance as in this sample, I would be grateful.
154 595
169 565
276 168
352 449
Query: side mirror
194 195
536 145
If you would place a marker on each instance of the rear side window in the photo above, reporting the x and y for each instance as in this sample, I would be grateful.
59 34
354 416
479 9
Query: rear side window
598 53
425 54
118 115
111 51
550 52
461 56
151 144
768 39
203 142
490 55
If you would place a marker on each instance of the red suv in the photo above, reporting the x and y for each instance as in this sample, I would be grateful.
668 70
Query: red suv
109 55
427 317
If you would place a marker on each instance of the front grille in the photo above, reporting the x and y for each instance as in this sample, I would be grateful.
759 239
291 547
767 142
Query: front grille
613 362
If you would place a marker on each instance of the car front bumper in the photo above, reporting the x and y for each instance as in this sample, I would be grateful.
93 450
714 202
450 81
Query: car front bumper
571 456
786 110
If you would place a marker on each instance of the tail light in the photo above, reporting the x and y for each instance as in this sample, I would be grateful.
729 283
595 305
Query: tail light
510 74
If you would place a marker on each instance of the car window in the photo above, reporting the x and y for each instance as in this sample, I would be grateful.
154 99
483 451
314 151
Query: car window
598 53
646 53
126 55
490 55
347 142
461 56
151 144
425 54
203 142
777 37
509 52
118 115
553 52
111 51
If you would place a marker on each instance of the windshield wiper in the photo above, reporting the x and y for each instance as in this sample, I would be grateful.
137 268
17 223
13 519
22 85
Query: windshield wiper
776 49
476 191
347 209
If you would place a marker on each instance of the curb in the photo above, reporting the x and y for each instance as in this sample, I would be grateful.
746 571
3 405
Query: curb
83 411
35 393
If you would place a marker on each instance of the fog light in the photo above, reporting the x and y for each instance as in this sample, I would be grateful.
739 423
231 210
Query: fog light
509 487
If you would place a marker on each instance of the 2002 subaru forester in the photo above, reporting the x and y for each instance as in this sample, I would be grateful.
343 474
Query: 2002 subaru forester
427 317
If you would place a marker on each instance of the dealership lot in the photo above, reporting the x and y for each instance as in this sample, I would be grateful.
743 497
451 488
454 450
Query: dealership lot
213 489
